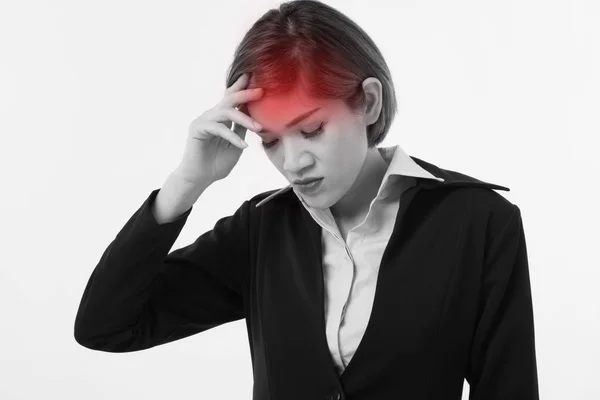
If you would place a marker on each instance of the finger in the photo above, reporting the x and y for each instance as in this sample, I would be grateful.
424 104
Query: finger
228 115
234 99
239 84
242 122
218 129
241 118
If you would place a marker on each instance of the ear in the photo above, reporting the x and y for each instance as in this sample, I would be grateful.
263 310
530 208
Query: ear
374 100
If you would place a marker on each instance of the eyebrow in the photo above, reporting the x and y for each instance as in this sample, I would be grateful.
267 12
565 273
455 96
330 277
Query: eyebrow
295 120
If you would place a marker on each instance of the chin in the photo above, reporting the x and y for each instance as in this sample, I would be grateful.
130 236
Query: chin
324 201
319 201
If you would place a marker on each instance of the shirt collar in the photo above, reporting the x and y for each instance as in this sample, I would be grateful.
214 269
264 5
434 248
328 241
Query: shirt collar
399 164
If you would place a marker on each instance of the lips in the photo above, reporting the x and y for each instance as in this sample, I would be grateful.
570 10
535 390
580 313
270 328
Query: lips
308 180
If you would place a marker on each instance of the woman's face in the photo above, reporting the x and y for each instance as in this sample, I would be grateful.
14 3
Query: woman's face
330 143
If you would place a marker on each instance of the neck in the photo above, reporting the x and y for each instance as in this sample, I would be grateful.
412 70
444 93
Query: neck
355 203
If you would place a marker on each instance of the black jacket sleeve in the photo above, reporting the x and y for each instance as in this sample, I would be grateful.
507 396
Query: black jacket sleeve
139 296
502 362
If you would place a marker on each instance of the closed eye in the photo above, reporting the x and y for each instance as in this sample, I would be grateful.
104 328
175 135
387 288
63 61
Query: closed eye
308 135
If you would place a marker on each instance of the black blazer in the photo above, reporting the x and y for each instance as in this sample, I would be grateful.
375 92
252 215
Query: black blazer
453 297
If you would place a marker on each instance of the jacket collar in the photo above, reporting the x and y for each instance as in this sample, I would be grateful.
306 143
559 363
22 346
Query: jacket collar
401 164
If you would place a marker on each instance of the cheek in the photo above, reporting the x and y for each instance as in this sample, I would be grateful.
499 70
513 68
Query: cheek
349 155
339 163
346 144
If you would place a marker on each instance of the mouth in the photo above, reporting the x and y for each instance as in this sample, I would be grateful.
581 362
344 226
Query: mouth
306 181
310 186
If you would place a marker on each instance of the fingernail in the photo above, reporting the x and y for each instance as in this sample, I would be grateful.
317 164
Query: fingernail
258 126
244 144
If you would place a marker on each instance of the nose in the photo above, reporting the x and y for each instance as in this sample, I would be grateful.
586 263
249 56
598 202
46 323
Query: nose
296 156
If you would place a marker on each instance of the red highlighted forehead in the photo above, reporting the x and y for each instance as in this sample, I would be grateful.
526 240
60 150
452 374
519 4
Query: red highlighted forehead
280 113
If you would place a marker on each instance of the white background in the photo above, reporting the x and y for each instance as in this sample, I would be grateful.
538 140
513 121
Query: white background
95 101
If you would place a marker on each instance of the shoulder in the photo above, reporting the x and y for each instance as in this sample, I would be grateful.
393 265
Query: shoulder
466 196
273 198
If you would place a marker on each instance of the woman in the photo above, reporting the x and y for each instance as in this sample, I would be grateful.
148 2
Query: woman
387 277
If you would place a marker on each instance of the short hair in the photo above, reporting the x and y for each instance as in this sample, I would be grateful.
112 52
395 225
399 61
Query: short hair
309 45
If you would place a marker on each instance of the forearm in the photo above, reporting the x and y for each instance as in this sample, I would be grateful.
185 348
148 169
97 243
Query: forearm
175 197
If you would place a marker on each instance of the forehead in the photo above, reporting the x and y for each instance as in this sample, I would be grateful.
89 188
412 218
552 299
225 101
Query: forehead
276 112
284 105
